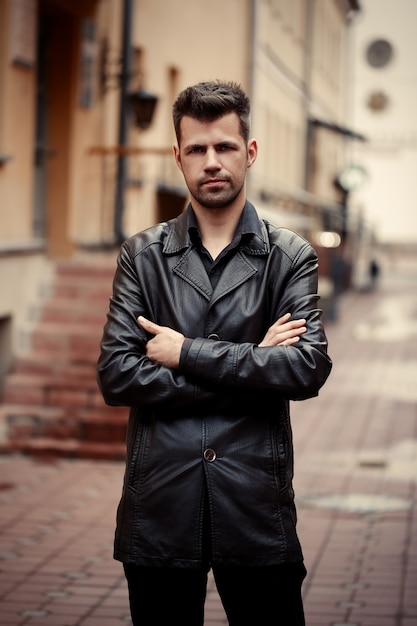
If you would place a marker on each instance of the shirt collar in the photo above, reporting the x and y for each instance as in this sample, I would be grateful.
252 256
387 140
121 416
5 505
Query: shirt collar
248 223
255 240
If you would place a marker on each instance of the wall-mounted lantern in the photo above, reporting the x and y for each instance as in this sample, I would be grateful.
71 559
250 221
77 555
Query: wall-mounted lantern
143 105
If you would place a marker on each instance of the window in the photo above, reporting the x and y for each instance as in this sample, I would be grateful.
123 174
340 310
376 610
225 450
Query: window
379 53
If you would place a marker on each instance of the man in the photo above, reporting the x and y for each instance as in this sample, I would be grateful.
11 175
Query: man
212 330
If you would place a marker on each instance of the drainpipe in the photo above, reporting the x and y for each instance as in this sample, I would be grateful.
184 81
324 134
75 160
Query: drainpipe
123 119
253 23
309 35
252 48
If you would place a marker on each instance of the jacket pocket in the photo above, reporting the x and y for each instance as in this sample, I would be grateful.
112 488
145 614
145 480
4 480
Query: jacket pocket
137 437
281 454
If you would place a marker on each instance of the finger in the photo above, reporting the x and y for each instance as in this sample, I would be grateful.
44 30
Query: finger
283 321
296 323
151 327
290 341
289 334
295 326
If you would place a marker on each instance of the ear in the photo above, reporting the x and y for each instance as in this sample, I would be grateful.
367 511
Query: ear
177 156
252 152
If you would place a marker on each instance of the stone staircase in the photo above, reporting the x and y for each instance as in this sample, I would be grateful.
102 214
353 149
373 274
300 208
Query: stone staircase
50 404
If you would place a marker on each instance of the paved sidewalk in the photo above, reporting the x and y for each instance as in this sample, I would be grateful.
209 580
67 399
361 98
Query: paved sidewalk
356 475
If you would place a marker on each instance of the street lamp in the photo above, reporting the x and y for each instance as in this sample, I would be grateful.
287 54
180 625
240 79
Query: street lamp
143 106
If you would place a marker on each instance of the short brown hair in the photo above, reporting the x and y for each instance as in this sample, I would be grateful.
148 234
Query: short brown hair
207 101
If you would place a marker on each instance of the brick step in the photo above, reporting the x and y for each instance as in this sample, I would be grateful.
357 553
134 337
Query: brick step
85 278
22 423
51 358
41 363
51 404
69 311
69 449
83 291
62 378
103 270
74 342
56 329
59 388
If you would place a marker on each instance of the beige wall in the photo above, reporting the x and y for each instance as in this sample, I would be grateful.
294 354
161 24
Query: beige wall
178 43
387 199
280 129
281 34
290 56
94 136
329 79
17 89
25 267
181 42
329 65
25 281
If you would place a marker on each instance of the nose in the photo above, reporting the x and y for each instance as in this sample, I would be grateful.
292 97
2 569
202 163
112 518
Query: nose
212 161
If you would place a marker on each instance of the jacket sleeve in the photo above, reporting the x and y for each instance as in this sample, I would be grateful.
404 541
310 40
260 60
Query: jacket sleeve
296 372
213 373
125 375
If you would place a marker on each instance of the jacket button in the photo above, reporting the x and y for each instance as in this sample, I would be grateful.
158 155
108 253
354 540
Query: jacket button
209 455
213 336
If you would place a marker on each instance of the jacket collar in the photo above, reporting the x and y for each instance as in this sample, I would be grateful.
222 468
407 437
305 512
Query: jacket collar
255 241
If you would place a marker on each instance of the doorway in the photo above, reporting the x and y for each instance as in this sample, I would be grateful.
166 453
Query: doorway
56 72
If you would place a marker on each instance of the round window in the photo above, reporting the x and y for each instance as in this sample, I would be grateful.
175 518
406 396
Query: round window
379 53
378 101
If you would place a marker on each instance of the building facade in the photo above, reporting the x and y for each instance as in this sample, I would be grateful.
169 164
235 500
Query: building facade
383 96
85 161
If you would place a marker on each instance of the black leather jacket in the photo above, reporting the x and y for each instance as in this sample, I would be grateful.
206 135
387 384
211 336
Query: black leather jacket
221 421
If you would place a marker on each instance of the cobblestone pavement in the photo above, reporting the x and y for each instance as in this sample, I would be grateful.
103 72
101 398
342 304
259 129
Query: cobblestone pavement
356 474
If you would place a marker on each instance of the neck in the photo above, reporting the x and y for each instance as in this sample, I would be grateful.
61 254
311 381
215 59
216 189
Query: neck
217 227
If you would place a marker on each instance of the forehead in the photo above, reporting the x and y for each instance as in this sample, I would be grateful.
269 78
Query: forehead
195 131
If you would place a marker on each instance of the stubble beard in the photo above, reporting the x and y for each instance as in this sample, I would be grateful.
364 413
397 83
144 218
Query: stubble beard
212 199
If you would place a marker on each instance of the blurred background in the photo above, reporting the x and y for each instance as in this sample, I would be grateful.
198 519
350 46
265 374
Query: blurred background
86 90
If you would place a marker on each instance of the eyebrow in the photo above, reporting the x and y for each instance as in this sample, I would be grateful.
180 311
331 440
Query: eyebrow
219 144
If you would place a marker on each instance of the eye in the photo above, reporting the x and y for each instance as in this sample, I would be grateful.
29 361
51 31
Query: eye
225 147
196 150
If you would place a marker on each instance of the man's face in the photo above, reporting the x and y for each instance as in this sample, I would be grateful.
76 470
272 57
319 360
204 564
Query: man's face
214 159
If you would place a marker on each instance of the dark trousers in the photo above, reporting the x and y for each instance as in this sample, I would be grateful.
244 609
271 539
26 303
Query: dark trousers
268 596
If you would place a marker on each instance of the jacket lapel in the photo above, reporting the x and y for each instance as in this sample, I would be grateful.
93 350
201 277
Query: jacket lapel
191 269
237 271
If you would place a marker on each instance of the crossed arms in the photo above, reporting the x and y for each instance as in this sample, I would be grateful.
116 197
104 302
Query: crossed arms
165 346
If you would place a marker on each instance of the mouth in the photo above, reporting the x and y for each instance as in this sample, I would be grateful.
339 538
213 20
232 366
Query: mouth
214 182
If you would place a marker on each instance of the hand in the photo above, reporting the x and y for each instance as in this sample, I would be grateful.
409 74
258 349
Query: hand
283 332
165 347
